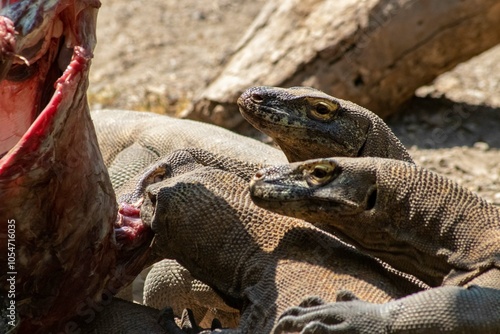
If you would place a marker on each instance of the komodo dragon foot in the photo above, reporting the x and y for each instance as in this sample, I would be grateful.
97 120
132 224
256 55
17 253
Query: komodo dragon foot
168 283
415 220
440 310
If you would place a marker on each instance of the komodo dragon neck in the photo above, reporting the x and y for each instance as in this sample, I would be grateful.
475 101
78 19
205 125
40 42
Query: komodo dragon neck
259 261
416 220
307 123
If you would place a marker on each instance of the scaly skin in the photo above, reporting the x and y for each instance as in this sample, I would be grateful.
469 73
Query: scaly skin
415 220
130 141
307 124
262 263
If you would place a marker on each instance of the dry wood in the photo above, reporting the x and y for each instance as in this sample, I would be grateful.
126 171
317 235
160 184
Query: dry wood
373 52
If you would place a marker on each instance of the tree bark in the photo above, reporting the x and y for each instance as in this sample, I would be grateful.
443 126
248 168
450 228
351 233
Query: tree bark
375 53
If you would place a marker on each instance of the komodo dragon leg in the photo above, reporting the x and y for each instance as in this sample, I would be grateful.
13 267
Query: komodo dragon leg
259 262
308 124
415 220
180 290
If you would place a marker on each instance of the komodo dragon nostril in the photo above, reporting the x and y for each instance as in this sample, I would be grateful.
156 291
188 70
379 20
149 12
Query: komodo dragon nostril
152 197
257 98
258 176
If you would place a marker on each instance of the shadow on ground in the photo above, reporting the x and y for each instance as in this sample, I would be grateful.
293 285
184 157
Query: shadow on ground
433 123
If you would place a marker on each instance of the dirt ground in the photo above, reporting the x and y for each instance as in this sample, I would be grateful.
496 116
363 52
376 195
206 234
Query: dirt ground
159 54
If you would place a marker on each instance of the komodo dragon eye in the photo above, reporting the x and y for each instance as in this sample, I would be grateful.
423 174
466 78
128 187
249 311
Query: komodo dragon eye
158 175
320 174
323 110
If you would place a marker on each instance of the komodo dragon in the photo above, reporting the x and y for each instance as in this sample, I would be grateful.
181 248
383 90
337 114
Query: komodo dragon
417 221
132 140
261 263
308 124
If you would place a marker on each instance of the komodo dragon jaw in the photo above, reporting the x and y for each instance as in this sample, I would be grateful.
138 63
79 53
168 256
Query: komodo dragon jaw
309 124
57 205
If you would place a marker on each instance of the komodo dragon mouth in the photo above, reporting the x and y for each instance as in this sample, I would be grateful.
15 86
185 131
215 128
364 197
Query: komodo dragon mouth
130 230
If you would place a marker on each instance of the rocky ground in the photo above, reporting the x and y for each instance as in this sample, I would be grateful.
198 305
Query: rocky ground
158 54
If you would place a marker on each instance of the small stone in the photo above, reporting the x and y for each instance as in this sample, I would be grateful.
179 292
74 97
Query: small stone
198 15
482 146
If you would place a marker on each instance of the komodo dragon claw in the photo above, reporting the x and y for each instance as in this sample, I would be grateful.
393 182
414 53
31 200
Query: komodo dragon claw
314 315
353 316
400 316
342 296
188 324
312 301
166 319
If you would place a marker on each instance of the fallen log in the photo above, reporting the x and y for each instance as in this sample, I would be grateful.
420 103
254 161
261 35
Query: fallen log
374 52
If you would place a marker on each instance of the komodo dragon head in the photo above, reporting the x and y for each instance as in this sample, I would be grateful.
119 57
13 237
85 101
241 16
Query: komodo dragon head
307 124
415 220
57 208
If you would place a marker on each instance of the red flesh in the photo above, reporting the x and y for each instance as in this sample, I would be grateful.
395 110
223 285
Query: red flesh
54 184
130 231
